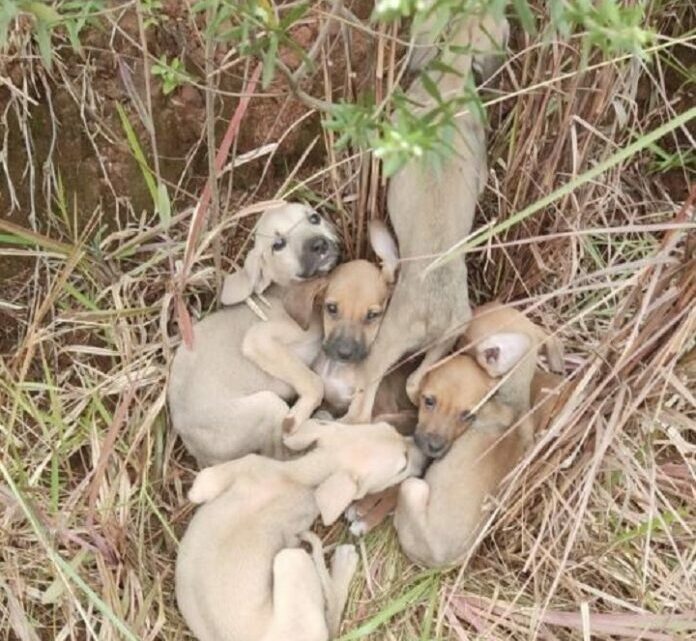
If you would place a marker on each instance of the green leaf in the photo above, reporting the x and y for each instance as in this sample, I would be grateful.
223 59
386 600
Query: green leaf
269 61
164 207
431 87
137 152
8 12
43 37
43 12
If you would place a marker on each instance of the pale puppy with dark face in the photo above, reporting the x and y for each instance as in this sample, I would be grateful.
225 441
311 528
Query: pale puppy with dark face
240 574
226 397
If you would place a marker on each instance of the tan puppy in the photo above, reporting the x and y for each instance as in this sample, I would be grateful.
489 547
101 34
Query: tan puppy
431 208
240 574
437 518
548 393
229 395
475 418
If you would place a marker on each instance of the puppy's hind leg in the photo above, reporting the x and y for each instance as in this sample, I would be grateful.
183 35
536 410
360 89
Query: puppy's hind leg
298 599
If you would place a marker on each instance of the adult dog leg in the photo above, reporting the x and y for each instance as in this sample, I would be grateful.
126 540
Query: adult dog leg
266 344
432 356
391 345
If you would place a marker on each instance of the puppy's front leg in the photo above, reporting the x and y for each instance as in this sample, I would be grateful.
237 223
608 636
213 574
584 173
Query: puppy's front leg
267 345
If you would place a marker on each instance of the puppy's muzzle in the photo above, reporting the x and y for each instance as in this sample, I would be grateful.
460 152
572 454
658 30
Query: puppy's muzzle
344 348
319 256
433 445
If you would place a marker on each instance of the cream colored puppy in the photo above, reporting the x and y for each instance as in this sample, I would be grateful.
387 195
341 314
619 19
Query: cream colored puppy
240 573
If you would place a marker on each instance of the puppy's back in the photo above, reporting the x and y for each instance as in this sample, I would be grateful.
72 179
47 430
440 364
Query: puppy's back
225 559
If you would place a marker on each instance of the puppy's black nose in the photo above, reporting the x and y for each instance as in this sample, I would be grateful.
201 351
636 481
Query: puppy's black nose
344 351
431 444
319 245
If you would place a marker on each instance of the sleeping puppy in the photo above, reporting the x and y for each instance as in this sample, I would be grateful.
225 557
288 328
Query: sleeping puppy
431 207
240 573
476 420
228 396
438 517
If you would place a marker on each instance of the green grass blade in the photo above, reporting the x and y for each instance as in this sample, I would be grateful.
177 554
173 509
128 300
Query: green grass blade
391 609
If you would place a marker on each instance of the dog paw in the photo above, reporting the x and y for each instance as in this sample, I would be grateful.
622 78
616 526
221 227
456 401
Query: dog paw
351 513
205 486
358 527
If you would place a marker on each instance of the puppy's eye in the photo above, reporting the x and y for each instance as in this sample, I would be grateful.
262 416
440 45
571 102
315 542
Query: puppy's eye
429 401
315 219
279 243
466 416
332 309
372 314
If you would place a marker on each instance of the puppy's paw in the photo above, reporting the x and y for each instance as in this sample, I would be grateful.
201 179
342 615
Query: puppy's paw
289 424
206 486
351 513
358 527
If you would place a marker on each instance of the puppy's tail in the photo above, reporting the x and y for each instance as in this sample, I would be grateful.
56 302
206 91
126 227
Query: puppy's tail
478 41
333 607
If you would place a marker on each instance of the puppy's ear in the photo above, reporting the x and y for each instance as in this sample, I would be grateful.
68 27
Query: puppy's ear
299 300
306 434
499 353
251 279
334 495
384 246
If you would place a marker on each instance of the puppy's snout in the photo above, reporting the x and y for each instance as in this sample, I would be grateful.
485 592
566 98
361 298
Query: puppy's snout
319 255
431 444
345 348
319 245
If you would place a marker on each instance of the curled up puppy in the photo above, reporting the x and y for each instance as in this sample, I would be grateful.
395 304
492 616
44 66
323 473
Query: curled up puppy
241 574
476 425
229 394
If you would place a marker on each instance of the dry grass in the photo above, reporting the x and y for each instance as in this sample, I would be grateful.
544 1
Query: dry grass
595 536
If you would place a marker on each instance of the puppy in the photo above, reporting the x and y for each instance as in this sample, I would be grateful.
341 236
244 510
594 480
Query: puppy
475 420
240 572
548 393
431 208
228 396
